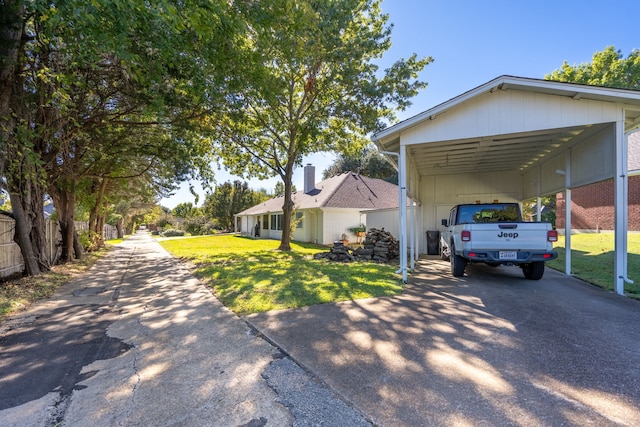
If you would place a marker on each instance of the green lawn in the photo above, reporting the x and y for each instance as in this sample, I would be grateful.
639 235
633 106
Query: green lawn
592 259
250 276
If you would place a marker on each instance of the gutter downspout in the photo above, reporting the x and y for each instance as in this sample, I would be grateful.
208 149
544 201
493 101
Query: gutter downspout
402 207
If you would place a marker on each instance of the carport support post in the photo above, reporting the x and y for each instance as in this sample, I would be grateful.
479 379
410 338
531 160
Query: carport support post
567 214
413 235
402 181
402 208
621 201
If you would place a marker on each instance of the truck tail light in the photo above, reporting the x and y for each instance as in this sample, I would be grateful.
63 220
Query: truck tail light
465 235
552 235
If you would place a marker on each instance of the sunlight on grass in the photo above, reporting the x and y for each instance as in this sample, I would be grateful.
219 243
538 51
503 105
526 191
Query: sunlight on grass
592 258
251 276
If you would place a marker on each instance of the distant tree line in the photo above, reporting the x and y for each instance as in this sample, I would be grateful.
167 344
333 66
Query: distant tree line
216 213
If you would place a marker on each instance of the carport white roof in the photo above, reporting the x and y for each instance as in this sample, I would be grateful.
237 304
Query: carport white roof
499 152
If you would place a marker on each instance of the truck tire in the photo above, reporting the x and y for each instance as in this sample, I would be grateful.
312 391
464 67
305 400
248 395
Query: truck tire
534 270
458 264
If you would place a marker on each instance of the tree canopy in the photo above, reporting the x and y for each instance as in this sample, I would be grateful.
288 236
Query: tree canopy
228 199
607 68
308 82
368 162
101 91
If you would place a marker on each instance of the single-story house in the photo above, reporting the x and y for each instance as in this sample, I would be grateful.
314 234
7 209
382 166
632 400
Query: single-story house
324 210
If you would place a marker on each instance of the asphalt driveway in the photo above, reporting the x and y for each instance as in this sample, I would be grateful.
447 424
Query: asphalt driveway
490 348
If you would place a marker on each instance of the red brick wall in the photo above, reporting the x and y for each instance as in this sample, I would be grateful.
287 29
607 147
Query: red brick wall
592 206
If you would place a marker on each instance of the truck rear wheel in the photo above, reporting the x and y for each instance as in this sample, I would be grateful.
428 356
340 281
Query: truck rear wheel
458 264
534 270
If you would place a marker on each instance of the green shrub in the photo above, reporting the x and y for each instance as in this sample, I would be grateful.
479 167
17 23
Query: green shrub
173 233
89 240
198 225
164 220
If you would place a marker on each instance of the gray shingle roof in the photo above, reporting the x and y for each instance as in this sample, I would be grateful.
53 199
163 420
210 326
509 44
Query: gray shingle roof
347 190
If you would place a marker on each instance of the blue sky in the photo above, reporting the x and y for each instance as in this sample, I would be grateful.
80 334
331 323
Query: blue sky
474 41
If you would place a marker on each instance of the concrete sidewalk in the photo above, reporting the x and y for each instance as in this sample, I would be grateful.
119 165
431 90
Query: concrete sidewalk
168 354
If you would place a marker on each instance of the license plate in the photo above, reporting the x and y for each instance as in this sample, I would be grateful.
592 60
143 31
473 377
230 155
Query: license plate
508 255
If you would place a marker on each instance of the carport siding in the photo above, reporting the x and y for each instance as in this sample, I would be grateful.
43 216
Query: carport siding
592 207
547 136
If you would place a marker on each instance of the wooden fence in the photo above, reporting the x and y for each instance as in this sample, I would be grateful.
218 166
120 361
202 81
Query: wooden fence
11 260
10 257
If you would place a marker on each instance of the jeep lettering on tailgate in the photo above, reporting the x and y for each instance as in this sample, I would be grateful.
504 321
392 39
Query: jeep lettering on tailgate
508 235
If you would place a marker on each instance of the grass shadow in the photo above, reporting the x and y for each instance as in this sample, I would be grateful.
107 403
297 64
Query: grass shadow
251 275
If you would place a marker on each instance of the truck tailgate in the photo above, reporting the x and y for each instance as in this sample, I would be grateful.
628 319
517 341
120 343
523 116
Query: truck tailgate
515 236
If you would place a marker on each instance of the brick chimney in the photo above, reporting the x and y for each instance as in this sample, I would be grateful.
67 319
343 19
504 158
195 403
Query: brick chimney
309 178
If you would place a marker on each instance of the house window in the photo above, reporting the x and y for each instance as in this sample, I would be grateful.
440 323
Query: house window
276 222
265 222
298 219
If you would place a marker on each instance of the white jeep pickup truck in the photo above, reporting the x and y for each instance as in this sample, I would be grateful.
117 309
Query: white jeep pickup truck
494 233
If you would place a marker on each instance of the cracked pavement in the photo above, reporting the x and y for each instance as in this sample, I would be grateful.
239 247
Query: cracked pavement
138 341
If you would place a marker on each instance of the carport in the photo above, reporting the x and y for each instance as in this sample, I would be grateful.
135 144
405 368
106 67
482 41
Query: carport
512 139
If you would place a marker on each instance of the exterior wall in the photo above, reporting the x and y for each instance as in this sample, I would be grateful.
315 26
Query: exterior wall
439 193
592 206
309 232
387 219
322 226
245 225
337 221
518 111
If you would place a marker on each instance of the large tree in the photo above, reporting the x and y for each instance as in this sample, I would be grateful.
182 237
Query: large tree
607 68
308 83
368 162
228 199
74 73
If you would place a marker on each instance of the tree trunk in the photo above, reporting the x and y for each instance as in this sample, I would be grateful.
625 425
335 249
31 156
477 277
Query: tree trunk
22 235
96 216
77 246
65 203
19 171
287 210
119 227
100 229
27 204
